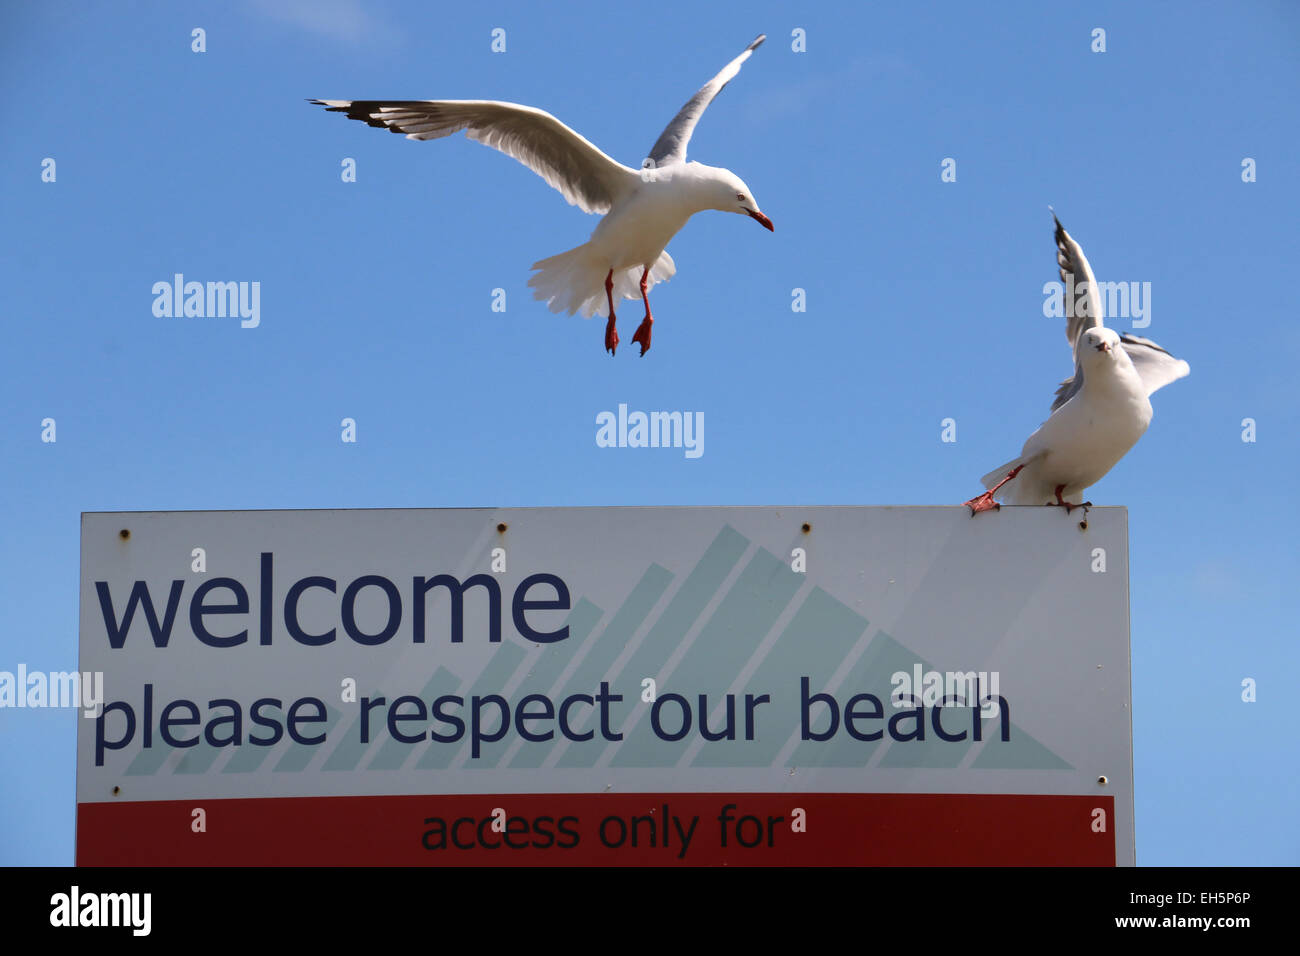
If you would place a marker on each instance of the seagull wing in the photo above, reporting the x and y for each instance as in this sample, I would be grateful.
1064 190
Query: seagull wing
1156 367
584 175
1082 311
671 145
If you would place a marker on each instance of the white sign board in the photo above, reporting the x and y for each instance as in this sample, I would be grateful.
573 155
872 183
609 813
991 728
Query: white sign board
607 685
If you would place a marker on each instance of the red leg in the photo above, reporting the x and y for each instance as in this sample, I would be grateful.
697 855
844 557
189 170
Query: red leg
1067 505
643 330
985 501
611 333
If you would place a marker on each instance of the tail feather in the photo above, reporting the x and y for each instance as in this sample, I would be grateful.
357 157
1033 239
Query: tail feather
574 281
1027 488
998 473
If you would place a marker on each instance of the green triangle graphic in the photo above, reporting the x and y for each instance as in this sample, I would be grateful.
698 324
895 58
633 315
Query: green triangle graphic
1021 752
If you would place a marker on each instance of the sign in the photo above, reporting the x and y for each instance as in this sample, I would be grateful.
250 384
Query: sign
826 685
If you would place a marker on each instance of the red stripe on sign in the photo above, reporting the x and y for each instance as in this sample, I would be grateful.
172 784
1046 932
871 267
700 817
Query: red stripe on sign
605 829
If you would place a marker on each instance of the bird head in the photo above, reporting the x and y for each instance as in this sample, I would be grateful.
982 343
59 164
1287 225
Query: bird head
1100 345
730 194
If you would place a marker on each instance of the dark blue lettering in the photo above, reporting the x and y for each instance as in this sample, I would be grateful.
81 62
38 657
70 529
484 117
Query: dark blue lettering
936 720
457 590
564 716
805 721
291 611
852 714
476 735
394 717
139 593
294 720
450 719
349 610
166 721
197 610
265 600
604 699
916 715
256 715
235 720
522 605
367 705
521 714
680 701
101 742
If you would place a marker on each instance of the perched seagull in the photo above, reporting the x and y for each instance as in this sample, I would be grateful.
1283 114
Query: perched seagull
643 208
1100 412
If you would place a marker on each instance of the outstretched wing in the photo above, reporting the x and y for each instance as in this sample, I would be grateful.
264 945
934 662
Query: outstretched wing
584 175
671 145
1082 304
1156 367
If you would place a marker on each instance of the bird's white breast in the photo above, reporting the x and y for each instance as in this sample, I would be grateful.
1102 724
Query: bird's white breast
1089 434
638 228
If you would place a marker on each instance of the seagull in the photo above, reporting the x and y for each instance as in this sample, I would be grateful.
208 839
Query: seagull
1100 412
643 208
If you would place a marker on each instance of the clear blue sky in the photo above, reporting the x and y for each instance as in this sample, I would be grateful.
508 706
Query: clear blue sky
924 302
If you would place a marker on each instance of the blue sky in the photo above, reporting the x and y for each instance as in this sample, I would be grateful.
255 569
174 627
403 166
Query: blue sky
924 302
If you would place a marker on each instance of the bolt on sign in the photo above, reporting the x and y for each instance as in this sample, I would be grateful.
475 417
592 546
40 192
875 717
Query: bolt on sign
606 686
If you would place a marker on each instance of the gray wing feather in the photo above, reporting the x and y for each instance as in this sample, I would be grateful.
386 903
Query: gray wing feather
584 175
671 145
1156 367
1082 310
1069 388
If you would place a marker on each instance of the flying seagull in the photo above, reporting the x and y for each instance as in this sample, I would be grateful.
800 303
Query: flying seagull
643 208
1100 412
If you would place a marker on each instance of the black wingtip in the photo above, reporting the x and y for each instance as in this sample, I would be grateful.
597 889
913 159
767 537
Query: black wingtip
758 41
1060 230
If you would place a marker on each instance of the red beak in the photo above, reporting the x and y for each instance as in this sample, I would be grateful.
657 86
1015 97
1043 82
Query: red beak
761 219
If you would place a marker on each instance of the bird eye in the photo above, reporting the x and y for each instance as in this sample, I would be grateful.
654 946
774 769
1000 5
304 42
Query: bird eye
740 196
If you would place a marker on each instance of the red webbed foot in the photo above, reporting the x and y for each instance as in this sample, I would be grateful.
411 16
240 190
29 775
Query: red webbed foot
985 501
982 502
642 335
1068 505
